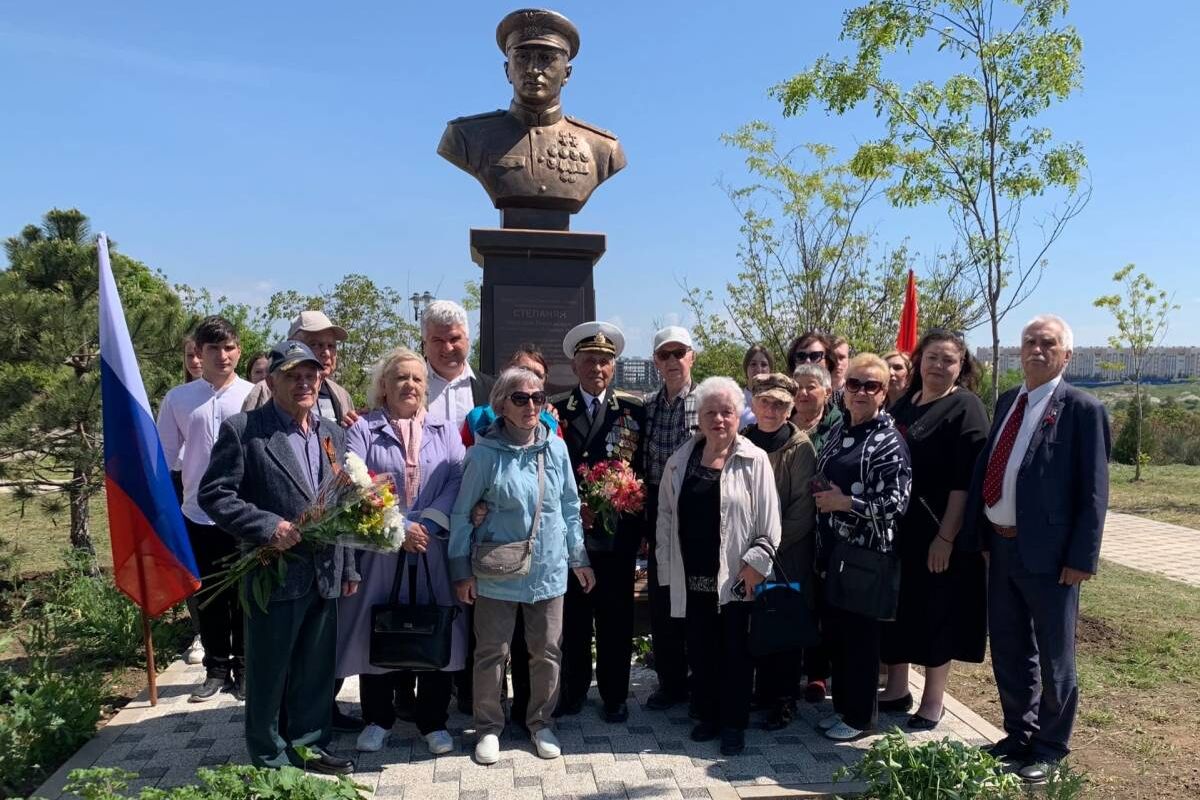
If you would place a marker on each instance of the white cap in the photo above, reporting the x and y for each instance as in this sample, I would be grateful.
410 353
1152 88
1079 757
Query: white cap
673 333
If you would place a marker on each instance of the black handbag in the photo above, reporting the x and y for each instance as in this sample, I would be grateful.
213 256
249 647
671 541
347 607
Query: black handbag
411 635
863 581
781 621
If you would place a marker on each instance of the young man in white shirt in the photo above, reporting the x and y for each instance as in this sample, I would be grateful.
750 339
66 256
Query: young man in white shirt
188 421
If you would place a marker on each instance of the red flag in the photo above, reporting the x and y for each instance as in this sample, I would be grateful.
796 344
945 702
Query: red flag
906 338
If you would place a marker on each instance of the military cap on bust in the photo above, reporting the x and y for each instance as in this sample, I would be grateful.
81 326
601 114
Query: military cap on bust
537 26
594 337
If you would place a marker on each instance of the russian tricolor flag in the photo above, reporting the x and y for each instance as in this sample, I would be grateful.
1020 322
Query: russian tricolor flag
152 559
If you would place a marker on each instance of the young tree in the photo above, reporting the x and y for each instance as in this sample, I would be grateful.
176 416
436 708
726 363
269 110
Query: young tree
970 142
807 263
1141 311
50 424
376 317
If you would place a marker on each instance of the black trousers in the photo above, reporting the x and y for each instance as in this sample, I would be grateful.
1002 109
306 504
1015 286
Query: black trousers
817 665
609 608
221 623
518 667
719 655
1032 619
667 634
853 642
378 693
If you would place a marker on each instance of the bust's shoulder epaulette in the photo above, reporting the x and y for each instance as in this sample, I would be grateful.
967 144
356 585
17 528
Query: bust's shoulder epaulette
590 127
628 399
474 117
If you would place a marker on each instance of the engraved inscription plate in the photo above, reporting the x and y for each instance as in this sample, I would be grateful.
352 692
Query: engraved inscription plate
541 315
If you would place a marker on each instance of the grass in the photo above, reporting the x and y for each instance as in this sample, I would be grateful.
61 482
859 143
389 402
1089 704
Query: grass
1168 493
41 540
1138 731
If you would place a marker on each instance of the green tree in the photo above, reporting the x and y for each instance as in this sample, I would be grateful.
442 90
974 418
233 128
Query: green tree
1141 311
972 142
806 262
376 318
51 447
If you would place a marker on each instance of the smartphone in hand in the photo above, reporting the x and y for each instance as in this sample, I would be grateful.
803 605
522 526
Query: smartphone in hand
819 484
739 589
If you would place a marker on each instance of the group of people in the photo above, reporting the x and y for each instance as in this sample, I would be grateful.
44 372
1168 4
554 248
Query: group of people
784 478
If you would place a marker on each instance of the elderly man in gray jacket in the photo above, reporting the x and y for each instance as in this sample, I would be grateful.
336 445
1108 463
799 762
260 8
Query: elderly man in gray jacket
265 470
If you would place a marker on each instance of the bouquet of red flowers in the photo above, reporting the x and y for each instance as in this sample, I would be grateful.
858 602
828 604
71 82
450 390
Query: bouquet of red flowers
354 507
610 488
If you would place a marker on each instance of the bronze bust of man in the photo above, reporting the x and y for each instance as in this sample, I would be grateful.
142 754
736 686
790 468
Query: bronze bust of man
537 164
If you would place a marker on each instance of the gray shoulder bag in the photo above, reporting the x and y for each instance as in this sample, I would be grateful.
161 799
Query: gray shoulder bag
511 559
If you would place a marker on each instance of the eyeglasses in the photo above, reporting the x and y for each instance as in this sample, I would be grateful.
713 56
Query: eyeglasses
523 398
678 354
811 356
854 386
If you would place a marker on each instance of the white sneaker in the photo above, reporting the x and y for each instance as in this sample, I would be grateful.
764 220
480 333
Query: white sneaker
487 749
546 743
195 652
439 742
844 733
371 739
832 721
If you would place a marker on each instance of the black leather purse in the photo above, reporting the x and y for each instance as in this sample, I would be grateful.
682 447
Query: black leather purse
411 635
863 581
781 621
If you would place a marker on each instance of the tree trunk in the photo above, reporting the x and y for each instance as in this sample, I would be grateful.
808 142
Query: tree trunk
995 359
81 536
1137 430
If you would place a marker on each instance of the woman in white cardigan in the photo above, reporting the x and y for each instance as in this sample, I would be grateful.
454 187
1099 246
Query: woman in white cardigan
718 523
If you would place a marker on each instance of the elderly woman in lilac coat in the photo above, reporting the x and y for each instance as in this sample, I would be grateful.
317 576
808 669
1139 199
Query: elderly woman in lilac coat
424 456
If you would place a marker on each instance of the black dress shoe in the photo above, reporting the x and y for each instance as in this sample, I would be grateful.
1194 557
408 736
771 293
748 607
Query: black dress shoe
211 687
661 700
237 686
918 723
902 704
1009 749
705 732
615 712
733 742
568 707
1035 771
345 723
329 764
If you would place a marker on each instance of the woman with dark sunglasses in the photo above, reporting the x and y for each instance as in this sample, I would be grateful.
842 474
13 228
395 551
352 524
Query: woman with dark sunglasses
523 472
865 466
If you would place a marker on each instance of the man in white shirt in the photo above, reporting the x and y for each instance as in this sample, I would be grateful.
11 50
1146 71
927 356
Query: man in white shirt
188 421
454 388
1037 504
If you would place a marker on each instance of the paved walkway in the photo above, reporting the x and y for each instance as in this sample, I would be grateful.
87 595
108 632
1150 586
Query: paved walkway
649 757
1152 546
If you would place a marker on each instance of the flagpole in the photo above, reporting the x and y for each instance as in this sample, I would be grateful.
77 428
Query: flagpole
151 671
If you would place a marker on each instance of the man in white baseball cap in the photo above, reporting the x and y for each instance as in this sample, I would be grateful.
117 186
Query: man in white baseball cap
316 330
671 419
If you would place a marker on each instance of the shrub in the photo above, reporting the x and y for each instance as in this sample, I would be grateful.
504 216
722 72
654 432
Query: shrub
230 782
894 769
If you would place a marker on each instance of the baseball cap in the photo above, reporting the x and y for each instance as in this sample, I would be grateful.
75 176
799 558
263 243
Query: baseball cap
672 333
289 353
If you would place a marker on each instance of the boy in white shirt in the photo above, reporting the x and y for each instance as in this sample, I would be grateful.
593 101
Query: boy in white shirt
191 415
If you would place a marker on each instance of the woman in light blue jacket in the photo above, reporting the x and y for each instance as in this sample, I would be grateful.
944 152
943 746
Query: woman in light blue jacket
524 475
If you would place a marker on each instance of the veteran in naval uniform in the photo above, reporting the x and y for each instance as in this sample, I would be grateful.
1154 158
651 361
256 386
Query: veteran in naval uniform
600 424
532 155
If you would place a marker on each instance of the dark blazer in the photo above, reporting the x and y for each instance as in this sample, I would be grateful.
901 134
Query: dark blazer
481 388
617 431
254 480
1062 485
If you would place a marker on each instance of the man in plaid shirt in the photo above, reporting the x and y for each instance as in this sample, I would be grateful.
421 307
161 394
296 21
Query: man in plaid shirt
671 419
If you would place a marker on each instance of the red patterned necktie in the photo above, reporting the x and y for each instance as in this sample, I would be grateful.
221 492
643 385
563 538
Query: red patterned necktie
993 479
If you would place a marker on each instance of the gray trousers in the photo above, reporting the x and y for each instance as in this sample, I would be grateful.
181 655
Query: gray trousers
494 621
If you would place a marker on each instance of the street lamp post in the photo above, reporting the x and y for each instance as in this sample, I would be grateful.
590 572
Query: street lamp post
420 302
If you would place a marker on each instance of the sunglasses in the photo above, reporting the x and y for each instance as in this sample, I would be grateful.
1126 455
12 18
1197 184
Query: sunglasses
811 356
523 398
854 386
677 354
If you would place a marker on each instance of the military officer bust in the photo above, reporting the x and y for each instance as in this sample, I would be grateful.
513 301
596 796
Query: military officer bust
537 164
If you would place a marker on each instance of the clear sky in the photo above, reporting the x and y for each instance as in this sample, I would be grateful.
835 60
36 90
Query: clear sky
250 147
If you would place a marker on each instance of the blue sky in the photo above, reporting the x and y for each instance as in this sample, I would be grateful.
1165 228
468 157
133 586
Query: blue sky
254 147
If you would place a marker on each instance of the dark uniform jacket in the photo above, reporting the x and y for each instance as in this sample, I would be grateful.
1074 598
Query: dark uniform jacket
615 433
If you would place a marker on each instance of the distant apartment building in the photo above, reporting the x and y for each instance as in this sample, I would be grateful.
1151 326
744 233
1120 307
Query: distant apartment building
1109 364
636 375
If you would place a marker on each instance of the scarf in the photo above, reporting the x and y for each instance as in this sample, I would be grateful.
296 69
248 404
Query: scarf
409 431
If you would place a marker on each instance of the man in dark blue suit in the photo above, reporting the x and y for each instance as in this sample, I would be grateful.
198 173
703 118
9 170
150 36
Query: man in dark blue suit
1037 504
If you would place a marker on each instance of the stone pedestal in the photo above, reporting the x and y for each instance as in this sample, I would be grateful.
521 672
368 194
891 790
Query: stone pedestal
537 285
